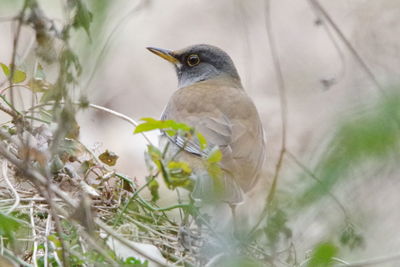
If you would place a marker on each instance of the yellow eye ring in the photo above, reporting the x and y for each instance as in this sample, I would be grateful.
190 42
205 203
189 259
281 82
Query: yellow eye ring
193 60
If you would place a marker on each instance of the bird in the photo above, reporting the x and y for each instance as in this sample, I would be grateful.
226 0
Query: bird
211 99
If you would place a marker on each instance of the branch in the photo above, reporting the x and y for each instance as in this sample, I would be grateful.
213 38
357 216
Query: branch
283 108
15 46
282 98
349 46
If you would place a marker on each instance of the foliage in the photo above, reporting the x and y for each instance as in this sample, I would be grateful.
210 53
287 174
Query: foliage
65 202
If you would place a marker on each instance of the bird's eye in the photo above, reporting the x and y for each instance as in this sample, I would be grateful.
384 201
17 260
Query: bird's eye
193 60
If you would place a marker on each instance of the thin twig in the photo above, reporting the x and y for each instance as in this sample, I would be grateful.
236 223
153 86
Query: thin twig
313 176
283 108
282 98
101 108
347 43
334 42
15 47
111 38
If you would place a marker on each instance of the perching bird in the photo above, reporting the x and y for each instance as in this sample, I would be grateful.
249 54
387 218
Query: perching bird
211 99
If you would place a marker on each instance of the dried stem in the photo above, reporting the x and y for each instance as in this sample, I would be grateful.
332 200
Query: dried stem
282 98
318 7
283 108
15 47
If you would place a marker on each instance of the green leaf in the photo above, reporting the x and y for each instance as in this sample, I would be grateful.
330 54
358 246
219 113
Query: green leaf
38 85
276 226
368 136
8 226
180 165
147 126
170 126
18 77
215 155
349 237
322 255
153 187
155 155
202 140
83 17
5 69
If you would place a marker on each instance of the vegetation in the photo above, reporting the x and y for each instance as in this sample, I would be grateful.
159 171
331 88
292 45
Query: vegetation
63 204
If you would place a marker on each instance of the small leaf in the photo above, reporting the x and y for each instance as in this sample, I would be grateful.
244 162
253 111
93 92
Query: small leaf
109 158
153 187
8 226
322 255
83 17
215 155
155 154
349 237
146 127
5 69
180 165
38 85
18 77
202 140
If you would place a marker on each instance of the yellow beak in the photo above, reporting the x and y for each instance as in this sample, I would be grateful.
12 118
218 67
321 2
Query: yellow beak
165 54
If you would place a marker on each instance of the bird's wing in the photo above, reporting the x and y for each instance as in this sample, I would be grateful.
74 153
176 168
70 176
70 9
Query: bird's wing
227 118
217 130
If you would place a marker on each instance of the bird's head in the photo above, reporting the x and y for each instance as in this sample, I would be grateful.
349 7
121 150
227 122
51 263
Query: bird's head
199 63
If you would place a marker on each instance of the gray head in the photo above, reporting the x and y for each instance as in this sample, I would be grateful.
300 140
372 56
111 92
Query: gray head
198 63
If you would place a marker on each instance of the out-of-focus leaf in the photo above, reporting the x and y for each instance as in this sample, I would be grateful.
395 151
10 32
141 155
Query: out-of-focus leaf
70 149
370 134
83 17
322 255
215 155
5 69
86 166
8 226
276 226
202 140
38 85
133 262
179 173
155 155
351 238
109 158
153 187
18 77
150 124
55 240
180 166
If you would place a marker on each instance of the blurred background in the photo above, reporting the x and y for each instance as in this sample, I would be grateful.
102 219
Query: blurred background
324 85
